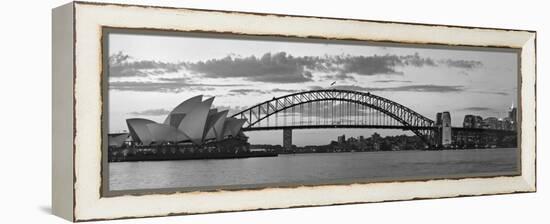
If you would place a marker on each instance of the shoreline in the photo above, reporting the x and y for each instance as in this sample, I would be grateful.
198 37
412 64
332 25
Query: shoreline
243 155
198 156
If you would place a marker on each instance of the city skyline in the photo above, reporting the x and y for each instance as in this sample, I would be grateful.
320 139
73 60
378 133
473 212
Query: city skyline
150 74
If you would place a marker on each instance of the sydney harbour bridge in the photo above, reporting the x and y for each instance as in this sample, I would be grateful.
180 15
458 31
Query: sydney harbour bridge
335 108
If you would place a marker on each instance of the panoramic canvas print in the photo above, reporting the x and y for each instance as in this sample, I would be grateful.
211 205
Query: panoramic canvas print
215 111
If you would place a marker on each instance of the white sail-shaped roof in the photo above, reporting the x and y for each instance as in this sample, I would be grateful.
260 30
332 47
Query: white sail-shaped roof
210 120
175 117
212 112
194 122
166 133
233 126
139 131
214 125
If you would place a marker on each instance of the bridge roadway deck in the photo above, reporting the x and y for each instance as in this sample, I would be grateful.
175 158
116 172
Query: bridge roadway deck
343 126
327 126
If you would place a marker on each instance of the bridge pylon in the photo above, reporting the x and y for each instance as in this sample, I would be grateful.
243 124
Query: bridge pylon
287 139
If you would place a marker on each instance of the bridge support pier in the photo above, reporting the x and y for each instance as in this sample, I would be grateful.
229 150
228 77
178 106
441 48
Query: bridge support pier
287 139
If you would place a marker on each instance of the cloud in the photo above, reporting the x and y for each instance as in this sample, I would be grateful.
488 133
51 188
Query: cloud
351 87
339 77
278 90
151 112
282 67
120 65
416 60
384 64
275 68
464 64
370 65
162 112
381 64
165 85
315 88
232 109
392 81
235 92
428 88
477 109
405 88
493 92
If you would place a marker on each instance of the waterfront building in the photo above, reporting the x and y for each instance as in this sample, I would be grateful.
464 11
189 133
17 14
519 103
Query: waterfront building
341 139
500 124
469 121
508 124
478 122
376 139
118 139
512 116
192 121
512 113
490 123
472 121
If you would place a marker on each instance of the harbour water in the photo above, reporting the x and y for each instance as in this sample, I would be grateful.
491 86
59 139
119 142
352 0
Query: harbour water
313 167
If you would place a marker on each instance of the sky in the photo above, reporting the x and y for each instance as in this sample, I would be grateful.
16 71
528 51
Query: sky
151 74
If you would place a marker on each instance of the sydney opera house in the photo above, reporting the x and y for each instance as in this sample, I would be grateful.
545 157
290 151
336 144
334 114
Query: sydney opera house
192 124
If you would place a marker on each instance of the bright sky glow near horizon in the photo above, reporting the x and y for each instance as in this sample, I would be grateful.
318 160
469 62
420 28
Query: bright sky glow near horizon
151 74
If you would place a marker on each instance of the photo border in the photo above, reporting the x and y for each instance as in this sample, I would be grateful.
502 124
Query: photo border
106 31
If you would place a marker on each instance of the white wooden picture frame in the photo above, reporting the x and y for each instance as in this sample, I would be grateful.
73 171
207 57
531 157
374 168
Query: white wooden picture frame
78 110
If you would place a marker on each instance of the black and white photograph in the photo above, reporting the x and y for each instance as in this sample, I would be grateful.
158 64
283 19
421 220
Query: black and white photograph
270 112
218 111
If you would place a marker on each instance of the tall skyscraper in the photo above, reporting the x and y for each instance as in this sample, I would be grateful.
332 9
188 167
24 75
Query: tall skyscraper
512 115
446 139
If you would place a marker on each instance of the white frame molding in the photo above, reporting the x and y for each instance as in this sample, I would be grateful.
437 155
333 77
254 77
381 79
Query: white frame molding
85 136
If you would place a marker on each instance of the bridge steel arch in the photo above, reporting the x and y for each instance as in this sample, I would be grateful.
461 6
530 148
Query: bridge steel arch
409 119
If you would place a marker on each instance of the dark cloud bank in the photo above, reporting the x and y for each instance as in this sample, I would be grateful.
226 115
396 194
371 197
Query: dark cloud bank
236 92
285 68
477 109
121 66
282 67
274 68
408 88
